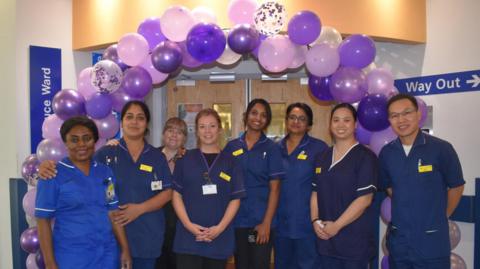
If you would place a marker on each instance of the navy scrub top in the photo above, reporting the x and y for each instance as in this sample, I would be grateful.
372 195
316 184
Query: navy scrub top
206 210
82 234
260 164
145 234
293 213
420 182
337 186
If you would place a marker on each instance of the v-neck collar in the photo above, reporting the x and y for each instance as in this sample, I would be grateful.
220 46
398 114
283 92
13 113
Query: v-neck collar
305 140
146 148
262 139
339 160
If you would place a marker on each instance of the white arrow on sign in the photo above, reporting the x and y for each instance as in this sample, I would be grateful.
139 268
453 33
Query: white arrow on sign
475 81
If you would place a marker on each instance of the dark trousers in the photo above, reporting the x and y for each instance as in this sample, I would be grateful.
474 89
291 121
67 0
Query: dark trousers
331 262
187 261
143 263
168 258
251 255
296 253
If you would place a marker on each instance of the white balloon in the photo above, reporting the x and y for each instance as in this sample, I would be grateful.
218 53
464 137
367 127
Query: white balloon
330 36
228 56
204 14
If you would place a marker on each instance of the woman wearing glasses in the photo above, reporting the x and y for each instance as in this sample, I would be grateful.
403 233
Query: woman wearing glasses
207 191
295 240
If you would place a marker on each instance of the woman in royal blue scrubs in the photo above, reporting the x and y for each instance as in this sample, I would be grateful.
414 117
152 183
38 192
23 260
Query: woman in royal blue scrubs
261 163
81 198
207 191
345 181
295 239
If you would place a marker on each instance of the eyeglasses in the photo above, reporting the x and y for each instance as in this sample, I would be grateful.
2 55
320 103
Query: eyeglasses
85 139
408 113
302 119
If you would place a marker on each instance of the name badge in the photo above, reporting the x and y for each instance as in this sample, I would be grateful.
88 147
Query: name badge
209 189
302 156
146 168
156 185
425 168
225 176
237 152
318 170
110 190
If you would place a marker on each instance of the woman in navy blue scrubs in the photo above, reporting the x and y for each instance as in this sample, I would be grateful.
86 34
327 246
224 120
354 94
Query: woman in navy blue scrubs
260 161
207 191
143 185
81 198
345 182
295 238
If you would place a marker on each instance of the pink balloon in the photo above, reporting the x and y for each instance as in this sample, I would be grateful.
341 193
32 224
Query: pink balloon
176 22
457 262
51 149
157 76
204 14
108 126
379 81
422 106
132 49
454 233
51 127
276 53
242 11
84 83
322 60
299 56
380 139
28 202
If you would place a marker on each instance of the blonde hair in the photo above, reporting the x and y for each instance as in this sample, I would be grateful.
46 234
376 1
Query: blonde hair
176 122
204 113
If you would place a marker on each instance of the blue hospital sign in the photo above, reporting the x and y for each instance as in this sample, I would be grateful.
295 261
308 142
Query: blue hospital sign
438 84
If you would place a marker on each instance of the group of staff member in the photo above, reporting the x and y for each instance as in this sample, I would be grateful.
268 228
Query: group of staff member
311 202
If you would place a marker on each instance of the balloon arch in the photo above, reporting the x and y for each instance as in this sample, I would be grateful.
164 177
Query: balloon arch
338 70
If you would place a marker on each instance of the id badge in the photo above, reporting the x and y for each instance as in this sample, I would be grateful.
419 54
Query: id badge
156 185
208 189
252 236
109 190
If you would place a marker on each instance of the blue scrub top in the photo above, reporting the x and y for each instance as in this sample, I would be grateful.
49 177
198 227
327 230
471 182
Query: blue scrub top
134 185
420 182
206 210
293 211
260 164
337 186
82 233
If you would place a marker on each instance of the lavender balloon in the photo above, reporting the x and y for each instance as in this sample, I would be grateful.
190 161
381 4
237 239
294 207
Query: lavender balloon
320 87
243 38
137 82
304 27
454 233
28 202
206 42
108 126
372 112
357 51
84 83
157 77
379 81
380 139
322 60
30 262
166 57
106 76
30 169
51 127
68 103
363 135
187 59
276 53
386 210
111 53
29 240
348 85
151 31
422 106
456 262
120 98
51 149
99 105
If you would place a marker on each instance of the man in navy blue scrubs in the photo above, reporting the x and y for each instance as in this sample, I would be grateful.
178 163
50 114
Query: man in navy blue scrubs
423 175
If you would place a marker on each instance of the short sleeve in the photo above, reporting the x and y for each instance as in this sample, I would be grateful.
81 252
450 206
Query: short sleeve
101 155
385 181
367 173
238 188
46 198
451 168
317 170
166 175
177 177
275 163
113 202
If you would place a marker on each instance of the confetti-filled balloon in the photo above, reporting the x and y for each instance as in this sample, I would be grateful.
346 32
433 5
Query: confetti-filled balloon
270 18
106 76
30 169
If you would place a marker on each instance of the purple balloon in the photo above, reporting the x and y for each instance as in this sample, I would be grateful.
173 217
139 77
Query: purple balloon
255 51
157 77
68 103
363 135
384 264
120 98
243 38
386 210
30 169
29 240
137 82
187 59
320 87
51 127
380 139
379 81
39 260
357 51
51 149
206 42
348 85
167 57
28 202
304 27
372 112
107 127
422 106
150 29
111 54
99 105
